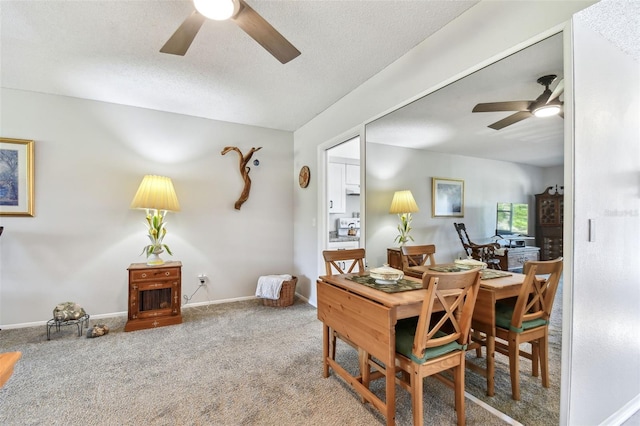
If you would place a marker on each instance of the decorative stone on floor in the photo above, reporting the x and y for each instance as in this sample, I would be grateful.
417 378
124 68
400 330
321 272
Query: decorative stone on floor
98 330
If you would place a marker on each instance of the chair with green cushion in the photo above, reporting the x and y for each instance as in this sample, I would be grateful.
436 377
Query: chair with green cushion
528 321
435 341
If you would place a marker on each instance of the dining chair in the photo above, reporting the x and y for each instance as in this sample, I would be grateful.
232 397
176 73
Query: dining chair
344 261
528 321
420 255
436 340
483 252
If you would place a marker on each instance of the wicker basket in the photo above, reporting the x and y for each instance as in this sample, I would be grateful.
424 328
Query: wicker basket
287 293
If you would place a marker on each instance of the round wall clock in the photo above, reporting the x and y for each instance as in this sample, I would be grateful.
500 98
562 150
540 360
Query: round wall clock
304 177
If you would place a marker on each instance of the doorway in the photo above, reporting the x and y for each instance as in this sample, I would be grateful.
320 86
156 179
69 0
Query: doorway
343 195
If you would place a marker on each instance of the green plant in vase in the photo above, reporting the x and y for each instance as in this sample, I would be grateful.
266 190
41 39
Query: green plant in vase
404 227
156 233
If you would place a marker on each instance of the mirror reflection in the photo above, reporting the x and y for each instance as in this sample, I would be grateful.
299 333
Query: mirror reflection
502 154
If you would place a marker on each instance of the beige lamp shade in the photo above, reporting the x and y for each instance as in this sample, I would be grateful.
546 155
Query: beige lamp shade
403 202
156 192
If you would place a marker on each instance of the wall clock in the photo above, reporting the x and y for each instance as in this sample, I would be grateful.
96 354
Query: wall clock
304 177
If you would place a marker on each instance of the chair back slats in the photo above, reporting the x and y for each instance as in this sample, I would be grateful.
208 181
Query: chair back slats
456 292
344 261
464 237
536 297
418 255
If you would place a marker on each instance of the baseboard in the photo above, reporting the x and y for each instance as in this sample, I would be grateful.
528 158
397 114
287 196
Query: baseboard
499 414
117 314
623 414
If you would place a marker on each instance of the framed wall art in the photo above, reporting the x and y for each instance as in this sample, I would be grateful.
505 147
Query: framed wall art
447 197
16 177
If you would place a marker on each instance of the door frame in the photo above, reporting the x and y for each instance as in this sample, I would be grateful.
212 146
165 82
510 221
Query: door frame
323 205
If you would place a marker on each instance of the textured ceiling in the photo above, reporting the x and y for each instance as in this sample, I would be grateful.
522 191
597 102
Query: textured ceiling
443 122
617 21
109 51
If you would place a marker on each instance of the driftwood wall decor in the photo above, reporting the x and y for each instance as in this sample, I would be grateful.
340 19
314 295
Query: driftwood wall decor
244 171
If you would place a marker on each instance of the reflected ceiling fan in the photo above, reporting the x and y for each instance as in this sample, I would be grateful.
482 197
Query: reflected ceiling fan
242 14
546 105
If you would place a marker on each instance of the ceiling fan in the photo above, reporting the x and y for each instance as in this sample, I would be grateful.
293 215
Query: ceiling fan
242 14
547 104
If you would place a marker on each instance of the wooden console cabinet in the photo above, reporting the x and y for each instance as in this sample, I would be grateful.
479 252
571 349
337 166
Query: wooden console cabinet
394 258
517 256
154 295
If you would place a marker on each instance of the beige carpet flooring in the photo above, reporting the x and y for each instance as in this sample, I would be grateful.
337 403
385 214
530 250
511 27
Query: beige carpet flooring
227 364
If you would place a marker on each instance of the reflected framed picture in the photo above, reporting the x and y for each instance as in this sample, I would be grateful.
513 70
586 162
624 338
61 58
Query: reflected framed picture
16 177
447 197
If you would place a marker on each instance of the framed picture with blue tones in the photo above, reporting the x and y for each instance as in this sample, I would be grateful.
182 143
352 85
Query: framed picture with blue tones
16 177
447 197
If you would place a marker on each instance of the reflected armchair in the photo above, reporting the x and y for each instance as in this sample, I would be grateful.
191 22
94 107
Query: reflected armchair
487 253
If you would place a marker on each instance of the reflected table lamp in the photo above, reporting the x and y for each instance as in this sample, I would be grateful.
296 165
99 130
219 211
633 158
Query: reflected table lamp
403 204
157 196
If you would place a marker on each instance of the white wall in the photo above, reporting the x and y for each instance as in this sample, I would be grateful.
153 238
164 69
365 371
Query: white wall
89 160
605 349
481 35
553 176
486 183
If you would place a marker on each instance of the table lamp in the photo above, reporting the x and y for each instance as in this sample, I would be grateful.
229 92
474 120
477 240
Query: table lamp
403 205
157 196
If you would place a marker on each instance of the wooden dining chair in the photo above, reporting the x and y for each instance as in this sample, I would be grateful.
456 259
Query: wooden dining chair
417 256
436 340
345 261
528 321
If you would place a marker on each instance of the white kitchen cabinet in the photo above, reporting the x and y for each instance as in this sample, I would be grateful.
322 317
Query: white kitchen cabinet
343 245
337 188
336 245
352 174
352 179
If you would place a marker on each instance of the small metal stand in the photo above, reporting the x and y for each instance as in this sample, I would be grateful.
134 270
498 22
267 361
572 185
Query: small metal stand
80 322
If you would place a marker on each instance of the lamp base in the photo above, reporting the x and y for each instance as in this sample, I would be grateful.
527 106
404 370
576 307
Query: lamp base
154 260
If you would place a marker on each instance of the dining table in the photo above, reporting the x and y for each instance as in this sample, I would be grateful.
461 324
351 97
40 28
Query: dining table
366 313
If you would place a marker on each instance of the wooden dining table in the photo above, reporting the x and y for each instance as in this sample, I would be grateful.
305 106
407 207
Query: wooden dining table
367 317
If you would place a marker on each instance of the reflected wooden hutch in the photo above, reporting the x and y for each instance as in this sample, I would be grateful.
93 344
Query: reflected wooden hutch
549 221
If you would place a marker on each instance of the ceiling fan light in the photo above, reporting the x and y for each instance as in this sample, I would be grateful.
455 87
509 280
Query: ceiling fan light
218 10
546 111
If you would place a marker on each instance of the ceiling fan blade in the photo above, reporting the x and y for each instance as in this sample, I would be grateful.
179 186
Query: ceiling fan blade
180 41
262 32
503 106
557 91
513 118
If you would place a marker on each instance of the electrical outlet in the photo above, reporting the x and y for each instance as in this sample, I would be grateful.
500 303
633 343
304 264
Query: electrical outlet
203 279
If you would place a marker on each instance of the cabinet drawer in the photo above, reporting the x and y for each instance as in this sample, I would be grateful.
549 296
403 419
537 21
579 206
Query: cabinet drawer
156 285
337 245
517 259
155 274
